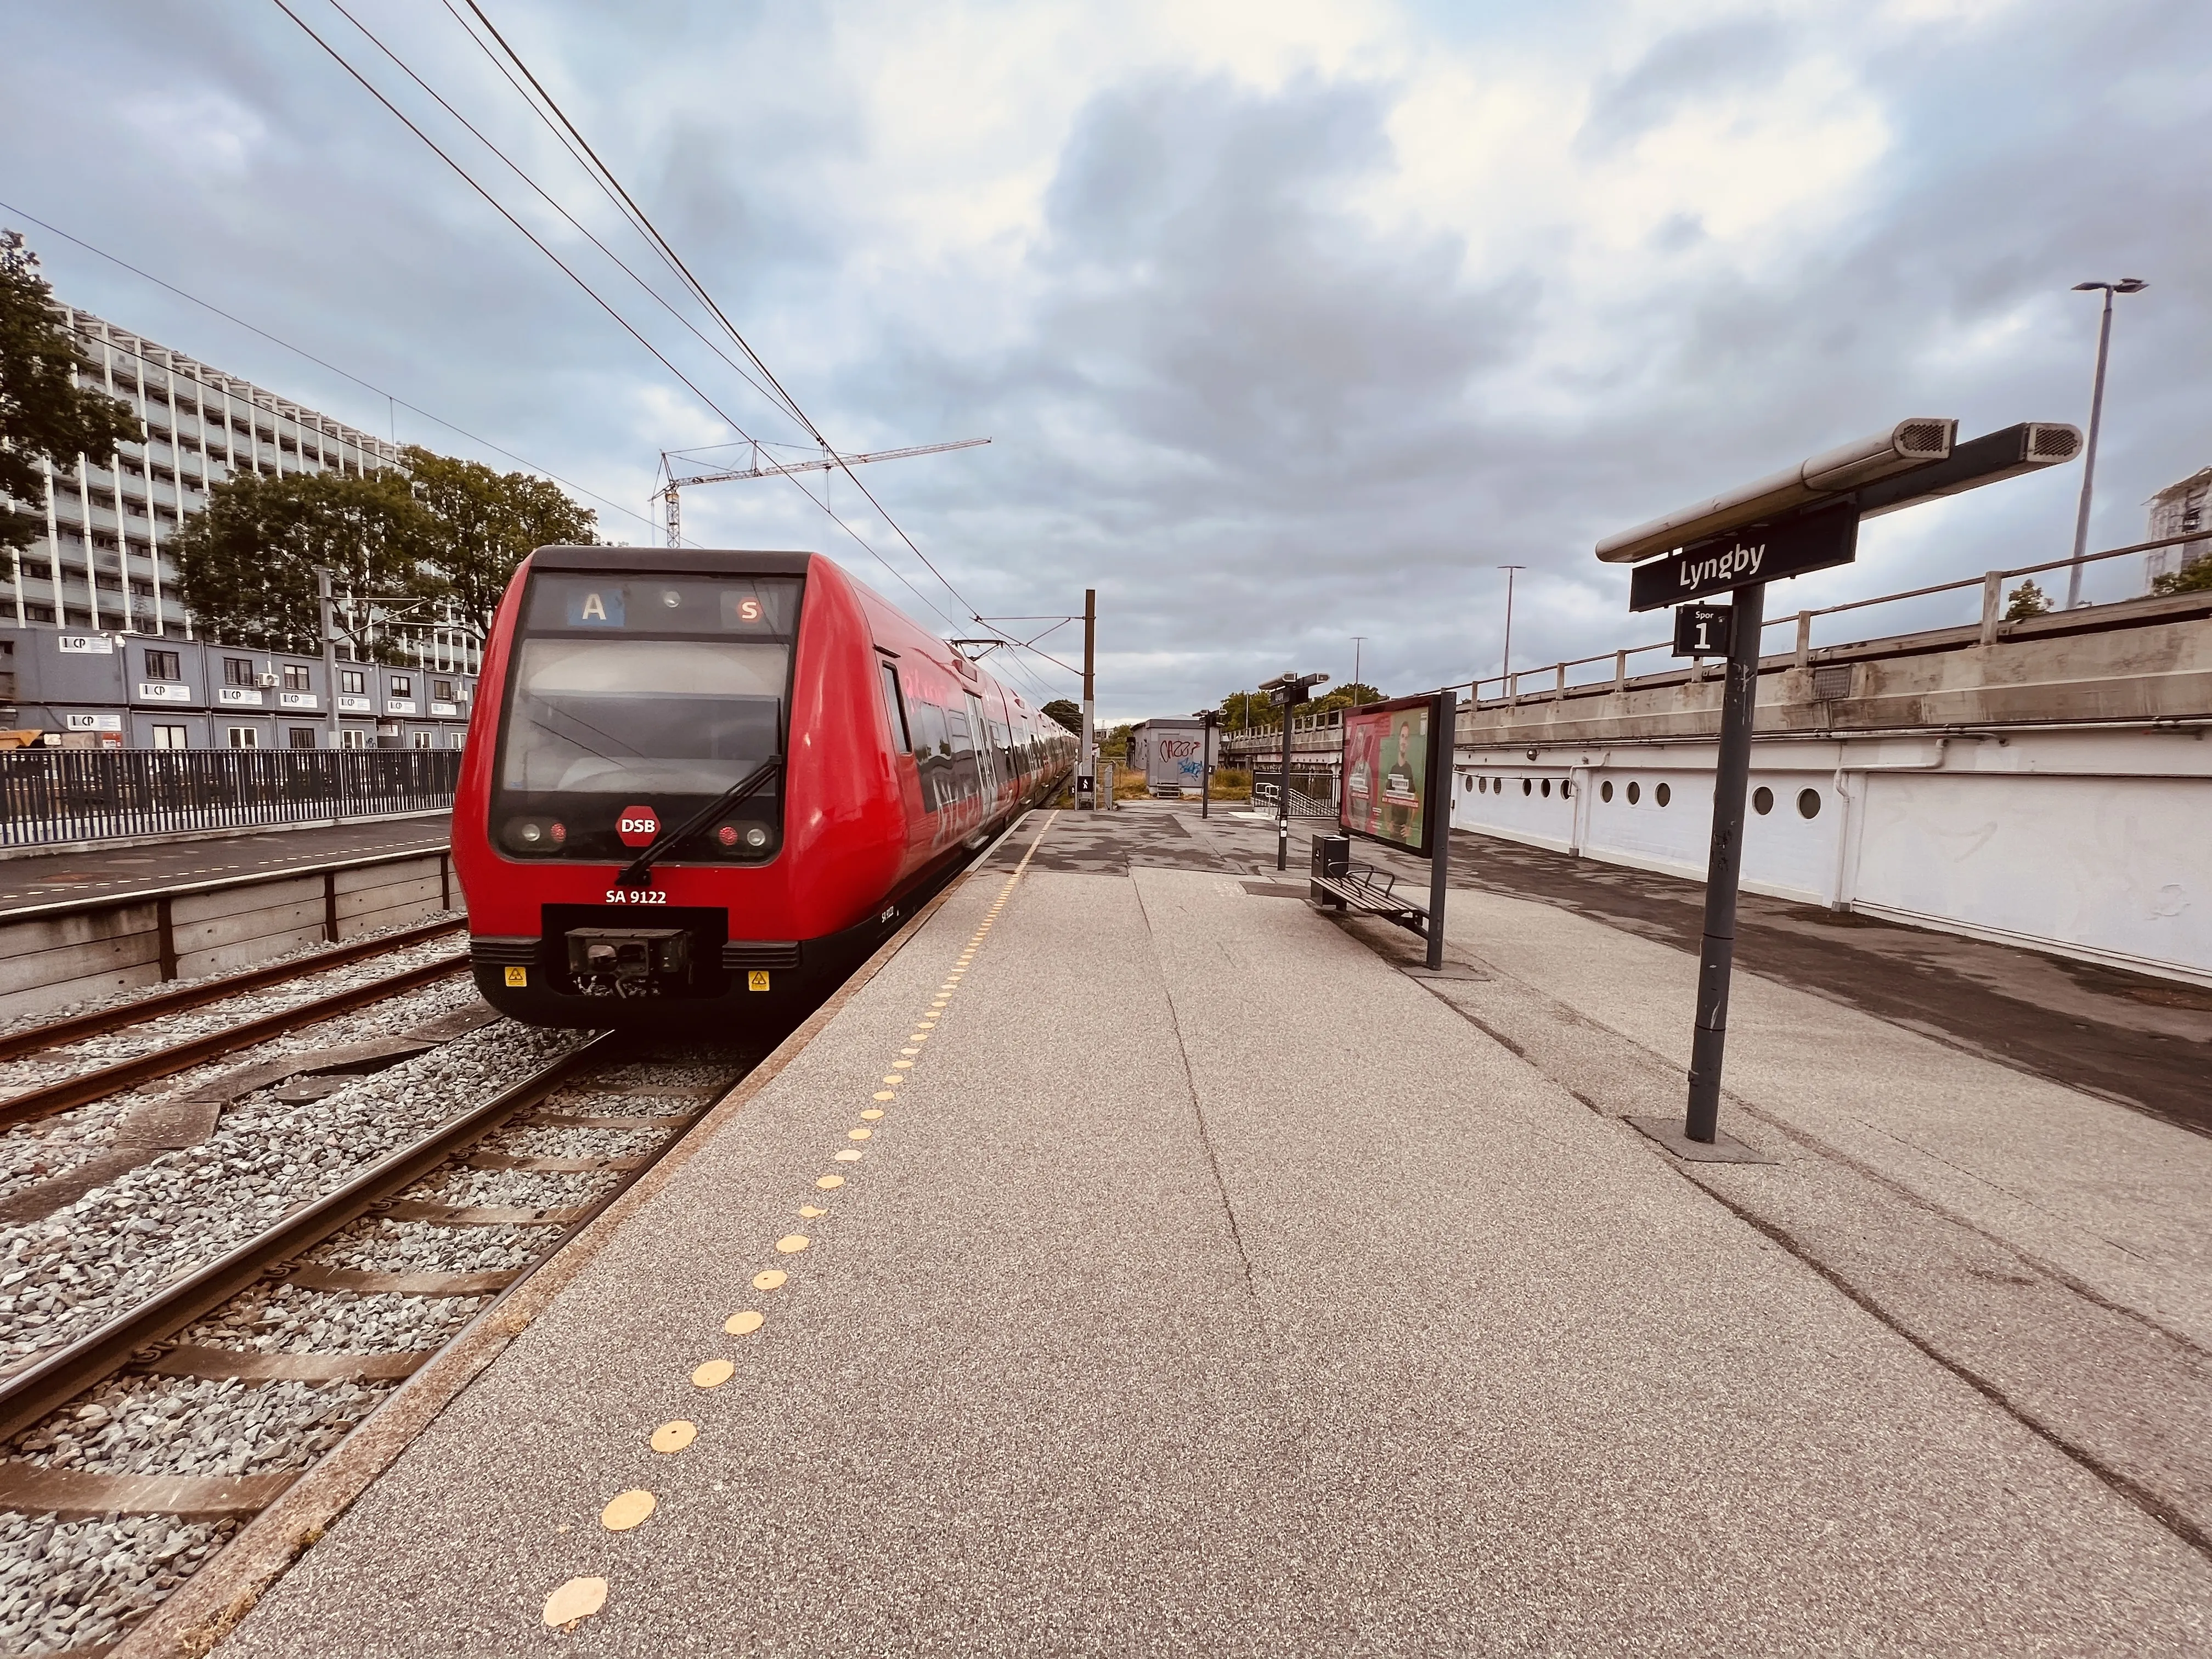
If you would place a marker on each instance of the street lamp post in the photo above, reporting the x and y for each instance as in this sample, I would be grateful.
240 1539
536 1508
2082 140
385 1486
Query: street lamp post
1358 640
1288 692
1505 662
2125 285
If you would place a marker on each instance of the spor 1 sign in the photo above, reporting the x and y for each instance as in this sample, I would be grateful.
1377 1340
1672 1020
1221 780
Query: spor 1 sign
637 826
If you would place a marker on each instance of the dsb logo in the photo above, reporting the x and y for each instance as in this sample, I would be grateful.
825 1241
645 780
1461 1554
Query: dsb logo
637 826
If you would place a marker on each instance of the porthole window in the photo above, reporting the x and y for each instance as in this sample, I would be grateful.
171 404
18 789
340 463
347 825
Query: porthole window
1526 787
1547 788
1809 802
1762 800
1605 790
1663 794
1566 787
1483 784
1634 794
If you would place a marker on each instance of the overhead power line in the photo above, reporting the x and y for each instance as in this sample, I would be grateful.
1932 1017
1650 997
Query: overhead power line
319 362
676 263
499 208
545 195
570 272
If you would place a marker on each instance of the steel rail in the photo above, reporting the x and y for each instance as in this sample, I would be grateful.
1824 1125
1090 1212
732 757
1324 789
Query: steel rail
200 993
53 1382
59 1096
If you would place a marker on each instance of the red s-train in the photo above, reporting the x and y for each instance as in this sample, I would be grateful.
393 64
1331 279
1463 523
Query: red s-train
708 784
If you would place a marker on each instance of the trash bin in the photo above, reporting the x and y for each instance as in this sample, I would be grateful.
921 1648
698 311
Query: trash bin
1332 855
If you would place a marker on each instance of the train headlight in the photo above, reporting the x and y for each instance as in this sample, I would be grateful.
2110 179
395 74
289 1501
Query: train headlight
533 835
727 834
756 838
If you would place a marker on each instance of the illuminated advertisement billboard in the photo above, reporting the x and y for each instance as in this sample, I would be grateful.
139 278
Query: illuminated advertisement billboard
1394 753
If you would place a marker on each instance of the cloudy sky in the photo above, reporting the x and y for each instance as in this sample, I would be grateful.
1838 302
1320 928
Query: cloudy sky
1289 321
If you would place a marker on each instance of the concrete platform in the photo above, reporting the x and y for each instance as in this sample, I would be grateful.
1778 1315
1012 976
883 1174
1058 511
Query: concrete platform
122 871
1215 1286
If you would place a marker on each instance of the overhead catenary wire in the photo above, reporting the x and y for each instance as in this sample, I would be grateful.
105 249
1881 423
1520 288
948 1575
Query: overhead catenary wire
320 362
499 208
675 263
551 201
646 225
471 181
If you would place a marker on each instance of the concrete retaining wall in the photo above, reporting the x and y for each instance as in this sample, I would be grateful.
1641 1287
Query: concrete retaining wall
59 954
2088 844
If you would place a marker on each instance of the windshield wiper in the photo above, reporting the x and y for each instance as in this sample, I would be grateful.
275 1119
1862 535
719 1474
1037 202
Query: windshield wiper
640 869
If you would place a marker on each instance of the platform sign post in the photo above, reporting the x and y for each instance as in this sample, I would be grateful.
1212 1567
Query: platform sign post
330 629
1207 719
1086 764
1802 519
1724 866
1288 692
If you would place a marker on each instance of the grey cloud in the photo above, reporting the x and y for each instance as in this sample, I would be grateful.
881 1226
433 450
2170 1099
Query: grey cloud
1257 421
1717 60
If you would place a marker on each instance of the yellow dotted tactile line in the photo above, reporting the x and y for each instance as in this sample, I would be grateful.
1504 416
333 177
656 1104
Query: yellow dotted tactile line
579 1598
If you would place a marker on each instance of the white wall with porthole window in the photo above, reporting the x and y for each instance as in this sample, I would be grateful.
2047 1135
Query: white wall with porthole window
2090 844
1656 815
1525 803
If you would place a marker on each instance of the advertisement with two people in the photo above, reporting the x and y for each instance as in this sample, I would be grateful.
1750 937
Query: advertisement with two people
1388 766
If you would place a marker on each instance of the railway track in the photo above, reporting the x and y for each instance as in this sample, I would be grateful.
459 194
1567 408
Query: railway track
44 1100
197 994
111 1436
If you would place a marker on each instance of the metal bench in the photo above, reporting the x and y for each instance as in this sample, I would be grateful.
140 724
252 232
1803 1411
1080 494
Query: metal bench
1363 889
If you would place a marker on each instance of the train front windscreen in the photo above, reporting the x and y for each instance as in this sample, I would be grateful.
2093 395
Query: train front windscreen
633 702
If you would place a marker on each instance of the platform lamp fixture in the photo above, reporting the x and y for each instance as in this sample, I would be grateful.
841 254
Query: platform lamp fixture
1207 718
1286 692
1803 519
2125 285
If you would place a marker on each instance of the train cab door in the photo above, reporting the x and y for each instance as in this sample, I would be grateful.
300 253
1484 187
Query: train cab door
986 759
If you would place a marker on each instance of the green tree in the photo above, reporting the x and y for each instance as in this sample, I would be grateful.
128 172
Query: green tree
483 524
1344 696
1242 710
2025 600
247 564
42 416
1063 712
2194 578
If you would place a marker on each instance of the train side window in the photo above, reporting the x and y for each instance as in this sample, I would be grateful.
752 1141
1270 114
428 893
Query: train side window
967 766
895 706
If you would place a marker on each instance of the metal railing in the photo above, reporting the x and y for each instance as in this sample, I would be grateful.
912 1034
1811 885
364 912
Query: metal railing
1266 793
1992 615
53 795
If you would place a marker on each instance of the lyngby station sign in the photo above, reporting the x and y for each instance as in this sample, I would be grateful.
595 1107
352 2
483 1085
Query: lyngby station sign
1757 553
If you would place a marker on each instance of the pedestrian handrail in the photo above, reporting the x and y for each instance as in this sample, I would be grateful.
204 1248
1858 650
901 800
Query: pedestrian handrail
1991 582
49 796
1267 793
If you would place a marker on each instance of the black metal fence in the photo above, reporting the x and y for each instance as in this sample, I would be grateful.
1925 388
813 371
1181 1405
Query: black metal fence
50 795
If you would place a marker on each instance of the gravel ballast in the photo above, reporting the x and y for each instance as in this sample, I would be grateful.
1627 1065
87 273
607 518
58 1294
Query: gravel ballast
61 1276
69 1585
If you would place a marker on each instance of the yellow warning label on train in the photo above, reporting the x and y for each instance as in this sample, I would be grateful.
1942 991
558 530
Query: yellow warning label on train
518 976
756 980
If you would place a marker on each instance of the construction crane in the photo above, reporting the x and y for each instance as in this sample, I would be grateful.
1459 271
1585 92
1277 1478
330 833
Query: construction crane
677 466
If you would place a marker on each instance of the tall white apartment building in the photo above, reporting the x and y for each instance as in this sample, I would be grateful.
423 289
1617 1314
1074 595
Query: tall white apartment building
104 564
2180 509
